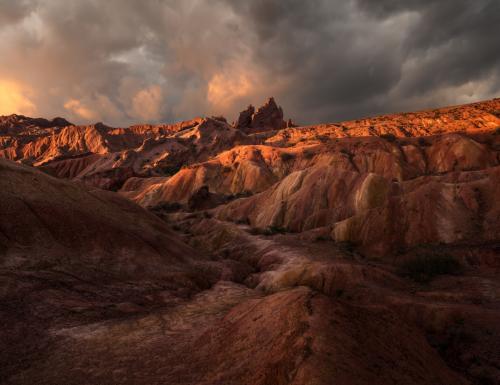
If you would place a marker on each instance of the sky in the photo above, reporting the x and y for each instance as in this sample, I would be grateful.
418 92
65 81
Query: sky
130 61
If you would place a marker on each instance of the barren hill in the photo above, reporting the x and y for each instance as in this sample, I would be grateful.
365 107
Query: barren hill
362 252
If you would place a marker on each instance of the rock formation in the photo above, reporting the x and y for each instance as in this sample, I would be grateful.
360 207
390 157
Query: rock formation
266 118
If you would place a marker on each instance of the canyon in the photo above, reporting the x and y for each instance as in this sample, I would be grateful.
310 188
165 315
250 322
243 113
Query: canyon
252 252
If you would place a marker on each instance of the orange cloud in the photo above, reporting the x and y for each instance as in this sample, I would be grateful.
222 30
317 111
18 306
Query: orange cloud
98 108
225 88
80 109
14 99
147 103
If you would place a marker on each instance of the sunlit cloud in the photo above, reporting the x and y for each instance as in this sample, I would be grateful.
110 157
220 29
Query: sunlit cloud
147 103
91 110
15 99
224 89
77 107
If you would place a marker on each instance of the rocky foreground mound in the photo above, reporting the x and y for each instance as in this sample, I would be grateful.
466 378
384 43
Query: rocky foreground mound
361 252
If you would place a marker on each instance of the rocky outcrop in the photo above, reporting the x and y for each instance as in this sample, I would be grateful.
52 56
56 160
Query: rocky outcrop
245 118
266 118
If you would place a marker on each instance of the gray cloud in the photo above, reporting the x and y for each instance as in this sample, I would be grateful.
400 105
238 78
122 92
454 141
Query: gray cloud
124 61
13 11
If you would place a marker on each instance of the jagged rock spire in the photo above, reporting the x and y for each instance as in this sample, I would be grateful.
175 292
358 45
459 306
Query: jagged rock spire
267 117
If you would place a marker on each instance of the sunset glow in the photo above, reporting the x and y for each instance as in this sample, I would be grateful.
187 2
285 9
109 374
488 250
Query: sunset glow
77 107
223 90
147 103
14 99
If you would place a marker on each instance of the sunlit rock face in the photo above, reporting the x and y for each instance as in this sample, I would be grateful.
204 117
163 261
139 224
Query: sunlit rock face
296 178
252 253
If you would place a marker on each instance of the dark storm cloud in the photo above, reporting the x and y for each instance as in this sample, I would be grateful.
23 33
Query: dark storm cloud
459 38
124 60
361 57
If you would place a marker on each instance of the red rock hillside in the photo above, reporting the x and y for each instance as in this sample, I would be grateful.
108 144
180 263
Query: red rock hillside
258 252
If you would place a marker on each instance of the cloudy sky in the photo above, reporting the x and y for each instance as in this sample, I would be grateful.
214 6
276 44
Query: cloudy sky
124 61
